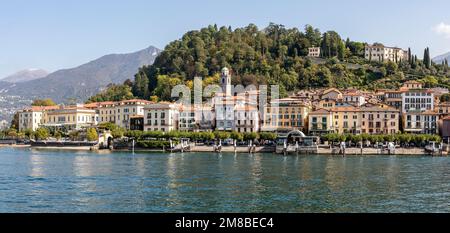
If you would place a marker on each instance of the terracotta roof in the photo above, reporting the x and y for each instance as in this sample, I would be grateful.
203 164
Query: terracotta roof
135 101
39 108
345 109
320 112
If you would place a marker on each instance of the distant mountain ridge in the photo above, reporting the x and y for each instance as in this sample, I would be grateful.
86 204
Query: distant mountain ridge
441 58
25 75
85 80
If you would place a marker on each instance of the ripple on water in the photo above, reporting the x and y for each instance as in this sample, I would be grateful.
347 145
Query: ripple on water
47 181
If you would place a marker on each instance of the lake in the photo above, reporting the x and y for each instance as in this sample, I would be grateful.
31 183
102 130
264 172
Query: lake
67 181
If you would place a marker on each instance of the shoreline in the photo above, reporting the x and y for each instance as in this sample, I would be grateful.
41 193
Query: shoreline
244 150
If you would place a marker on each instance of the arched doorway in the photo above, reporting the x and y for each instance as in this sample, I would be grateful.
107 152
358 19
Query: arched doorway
110 141
295 136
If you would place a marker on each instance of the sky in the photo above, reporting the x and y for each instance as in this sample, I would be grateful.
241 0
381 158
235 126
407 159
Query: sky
56 34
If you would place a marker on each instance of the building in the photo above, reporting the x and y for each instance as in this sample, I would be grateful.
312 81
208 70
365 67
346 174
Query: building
205 118
161 116
137 122
106 111
314 52
224 112
354 98
3 124
32 118
187 119
225 81
246 119
443 108
381 53
347 119
417 100
393 98
320 122
445 129
379 119
125 109
419 122
285 115
70 118
411 84
331 93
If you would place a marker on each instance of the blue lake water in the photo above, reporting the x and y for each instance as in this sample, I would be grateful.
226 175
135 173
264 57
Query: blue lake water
62 181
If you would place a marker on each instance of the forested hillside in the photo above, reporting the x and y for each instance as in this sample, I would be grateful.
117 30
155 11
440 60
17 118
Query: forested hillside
278 55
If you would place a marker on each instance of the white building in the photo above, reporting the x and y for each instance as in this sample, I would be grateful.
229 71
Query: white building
33 117
225 81
161 116
205 118
246 119
3 125
314 52
224 112
128 108
421 122
187 119
381 53
417 100
354 98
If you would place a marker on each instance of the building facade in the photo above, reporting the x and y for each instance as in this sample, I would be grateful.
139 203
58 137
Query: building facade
419 122
314 52
379 119
126 109
286 114
381 53
70 118
417 100
246 119
320 122
32 118
161 116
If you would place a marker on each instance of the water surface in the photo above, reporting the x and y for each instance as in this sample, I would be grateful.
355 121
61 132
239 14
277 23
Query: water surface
64 181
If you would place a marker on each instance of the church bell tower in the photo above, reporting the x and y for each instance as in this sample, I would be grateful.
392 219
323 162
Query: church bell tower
225 80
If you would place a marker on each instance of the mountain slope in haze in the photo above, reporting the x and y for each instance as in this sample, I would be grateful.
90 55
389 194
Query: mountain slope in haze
25 75
439 59
86 80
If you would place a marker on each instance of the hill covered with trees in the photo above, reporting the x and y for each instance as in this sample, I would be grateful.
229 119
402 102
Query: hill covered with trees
277 55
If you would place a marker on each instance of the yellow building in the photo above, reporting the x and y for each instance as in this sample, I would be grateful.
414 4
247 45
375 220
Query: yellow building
320 122
69 118
346 119
106 111
285 115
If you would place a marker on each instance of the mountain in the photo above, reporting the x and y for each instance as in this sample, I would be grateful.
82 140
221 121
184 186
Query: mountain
86 80
439 59
25 75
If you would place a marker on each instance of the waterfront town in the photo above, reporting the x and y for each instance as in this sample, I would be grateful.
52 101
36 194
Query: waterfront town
411 109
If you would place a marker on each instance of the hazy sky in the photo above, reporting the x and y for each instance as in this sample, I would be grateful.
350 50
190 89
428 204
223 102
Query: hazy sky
55 34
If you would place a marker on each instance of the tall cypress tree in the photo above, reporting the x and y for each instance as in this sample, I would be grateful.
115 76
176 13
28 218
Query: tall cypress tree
427 58
409 56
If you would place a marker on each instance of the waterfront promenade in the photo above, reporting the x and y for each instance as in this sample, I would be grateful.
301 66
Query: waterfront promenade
322 150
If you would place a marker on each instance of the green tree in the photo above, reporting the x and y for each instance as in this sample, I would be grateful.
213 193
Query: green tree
42 133
268 136
113 92
92 135
43 102
237 136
